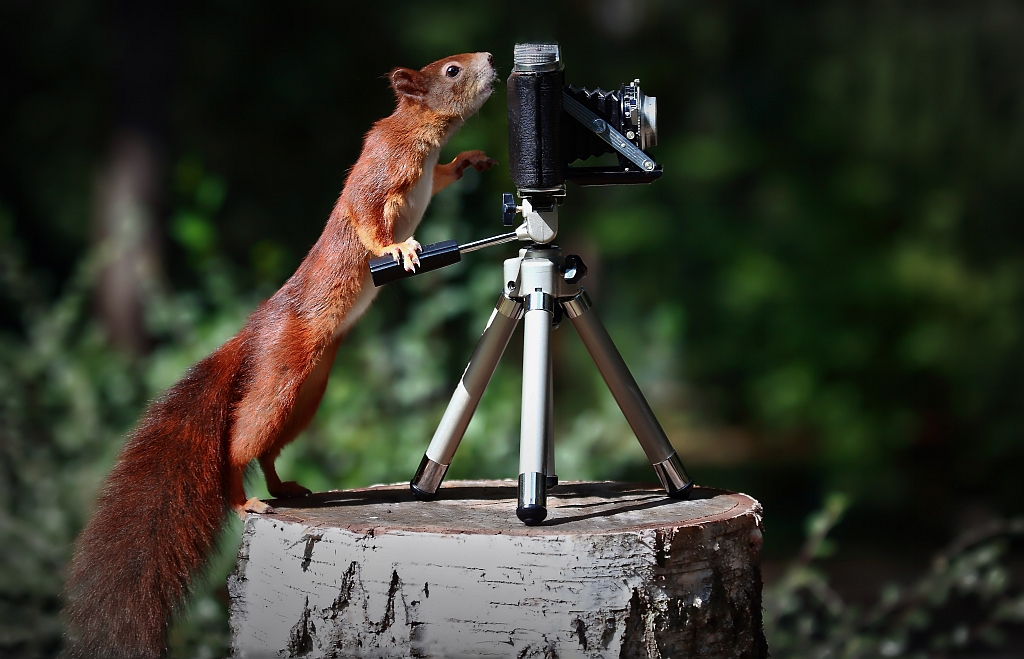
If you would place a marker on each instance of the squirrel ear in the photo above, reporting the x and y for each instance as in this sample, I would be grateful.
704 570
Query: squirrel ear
410 83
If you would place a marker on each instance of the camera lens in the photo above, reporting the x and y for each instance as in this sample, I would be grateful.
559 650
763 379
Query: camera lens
640 116
648 121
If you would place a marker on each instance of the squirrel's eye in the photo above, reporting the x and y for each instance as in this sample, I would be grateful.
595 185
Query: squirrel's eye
452 71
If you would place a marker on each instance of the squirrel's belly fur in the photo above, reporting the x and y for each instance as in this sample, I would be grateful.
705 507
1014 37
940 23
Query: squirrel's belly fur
410 218
412 214
417 199
367 294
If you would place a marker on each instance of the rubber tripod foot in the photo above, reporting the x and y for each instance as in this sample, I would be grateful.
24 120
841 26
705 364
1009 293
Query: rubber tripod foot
421 495
531 515
682 493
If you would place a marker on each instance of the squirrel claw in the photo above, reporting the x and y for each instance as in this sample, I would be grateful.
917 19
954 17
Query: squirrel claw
405 253
478 160
254 505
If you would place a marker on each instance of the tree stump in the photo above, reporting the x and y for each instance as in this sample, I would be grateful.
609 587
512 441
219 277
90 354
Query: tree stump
618 570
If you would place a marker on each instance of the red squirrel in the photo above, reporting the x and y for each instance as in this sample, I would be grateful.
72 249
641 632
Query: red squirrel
163 504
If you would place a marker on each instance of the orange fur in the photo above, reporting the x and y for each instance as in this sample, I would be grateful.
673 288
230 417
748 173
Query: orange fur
163 504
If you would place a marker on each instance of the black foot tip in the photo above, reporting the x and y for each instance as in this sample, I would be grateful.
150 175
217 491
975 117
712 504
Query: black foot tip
683 492
422 495
532 515
552 481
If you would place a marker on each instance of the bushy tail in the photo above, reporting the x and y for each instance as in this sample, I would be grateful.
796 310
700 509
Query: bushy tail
156 519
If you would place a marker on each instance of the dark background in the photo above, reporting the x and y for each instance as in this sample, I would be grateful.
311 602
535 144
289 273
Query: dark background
822 297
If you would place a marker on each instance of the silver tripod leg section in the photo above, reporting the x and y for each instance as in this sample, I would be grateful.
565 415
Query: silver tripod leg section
627 394
551 476
532 508
459 413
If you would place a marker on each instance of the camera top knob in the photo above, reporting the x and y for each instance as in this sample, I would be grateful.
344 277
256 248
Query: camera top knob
536 58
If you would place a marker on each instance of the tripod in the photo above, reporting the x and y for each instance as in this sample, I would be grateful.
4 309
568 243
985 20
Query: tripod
542 285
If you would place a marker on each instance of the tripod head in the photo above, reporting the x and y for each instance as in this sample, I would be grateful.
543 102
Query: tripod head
539 227
550 126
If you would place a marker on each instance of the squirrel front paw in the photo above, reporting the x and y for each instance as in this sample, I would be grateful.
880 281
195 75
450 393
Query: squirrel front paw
478 160
404 253
445 175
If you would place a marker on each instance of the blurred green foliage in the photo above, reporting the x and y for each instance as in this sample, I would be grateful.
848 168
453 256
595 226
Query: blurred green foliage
966 601
824 292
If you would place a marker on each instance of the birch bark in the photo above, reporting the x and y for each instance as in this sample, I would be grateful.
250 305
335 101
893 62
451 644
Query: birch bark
618 570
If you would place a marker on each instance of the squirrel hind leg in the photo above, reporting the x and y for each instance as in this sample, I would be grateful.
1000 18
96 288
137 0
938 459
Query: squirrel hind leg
310 393
236 496
279 489
290 490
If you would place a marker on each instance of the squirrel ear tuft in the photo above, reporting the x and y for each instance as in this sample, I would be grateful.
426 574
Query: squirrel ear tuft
409 83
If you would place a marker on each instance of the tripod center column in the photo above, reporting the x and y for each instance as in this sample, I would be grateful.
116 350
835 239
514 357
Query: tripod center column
537 274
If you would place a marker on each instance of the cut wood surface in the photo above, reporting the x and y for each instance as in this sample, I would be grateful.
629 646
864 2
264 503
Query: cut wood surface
617 570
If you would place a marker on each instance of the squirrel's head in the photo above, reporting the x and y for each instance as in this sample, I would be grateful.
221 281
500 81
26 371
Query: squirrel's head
453 87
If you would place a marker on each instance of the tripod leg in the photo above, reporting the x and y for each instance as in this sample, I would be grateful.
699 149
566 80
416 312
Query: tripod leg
533 453
549 437
457 416
627 394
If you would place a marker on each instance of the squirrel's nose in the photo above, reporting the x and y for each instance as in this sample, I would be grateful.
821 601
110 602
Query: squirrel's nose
490 59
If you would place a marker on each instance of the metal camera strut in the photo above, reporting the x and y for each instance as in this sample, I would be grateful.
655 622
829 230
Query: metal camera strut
540 287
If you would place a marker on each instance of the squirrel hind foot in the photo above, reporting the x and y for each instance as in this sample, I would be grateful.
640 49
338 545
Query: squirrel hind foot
289 490
253 505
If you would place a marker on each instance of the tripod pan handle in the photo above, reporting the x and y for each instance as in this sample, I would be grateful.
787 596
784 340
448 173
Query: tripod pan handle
384 269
